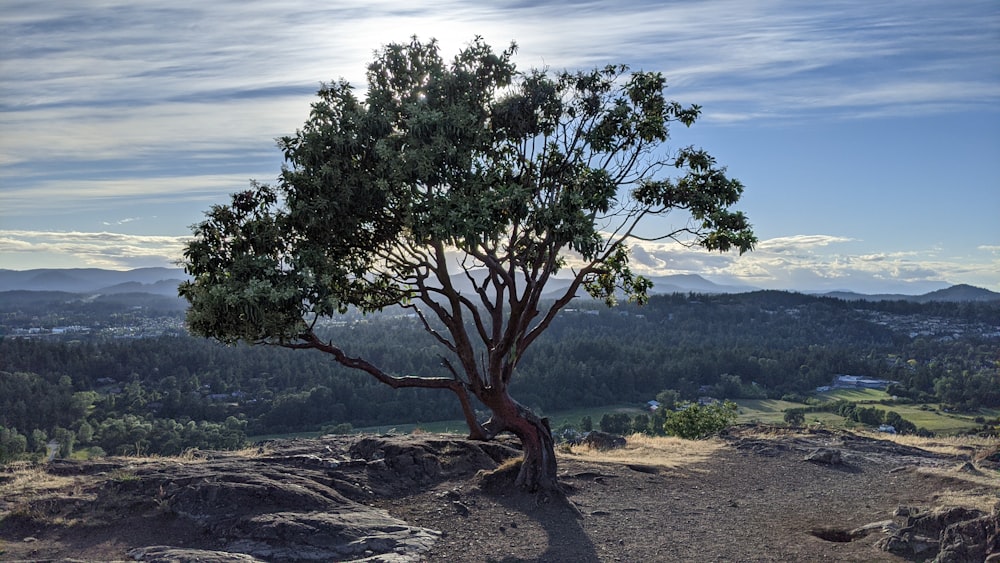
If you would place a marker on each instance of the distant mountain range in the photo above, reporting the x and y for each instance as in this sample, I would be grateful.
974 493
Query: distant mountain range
164 281
159 281
955 293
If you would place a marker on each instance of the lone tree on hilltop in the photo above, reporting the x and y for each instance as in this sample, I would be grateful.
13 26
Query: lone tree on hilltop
467 168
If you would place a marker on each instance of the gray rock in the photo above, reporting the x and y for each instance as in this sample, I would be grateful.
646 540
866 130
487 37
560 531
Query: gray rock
826 456
947 535
168 554
604 441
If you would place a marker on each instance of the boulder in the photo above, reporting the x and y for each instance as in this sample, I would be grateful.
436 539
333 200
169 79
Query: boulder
826 456
604 441
168 554
947 535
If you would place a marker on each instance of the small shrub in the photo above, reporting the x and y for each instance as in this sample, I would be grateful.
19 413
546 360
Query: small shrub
347 428
617 423
795 417
696 421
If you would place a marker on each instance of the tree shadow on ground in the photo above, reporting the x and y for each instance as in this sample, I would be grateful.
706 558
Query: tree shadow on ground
555 514
567 540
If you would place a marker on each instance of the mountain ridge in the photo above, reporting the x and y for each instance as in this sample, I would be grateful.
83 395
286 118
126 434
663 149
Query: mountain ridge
164 281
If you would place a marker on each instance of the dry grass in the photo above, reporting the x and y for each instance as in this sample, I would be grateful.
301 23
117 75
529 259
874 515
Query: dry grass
979 490
947 445
32 480
974 489
666 452
509 464
968 498
253 452
30 491
194 455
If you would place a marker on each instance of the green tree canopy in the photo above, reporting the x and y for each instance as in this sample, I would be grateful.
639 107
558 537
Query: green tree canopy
459 189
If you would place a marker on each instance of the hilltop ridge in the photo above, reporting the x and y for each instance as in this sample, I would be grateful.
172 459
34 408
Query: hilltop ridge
164 281
752 493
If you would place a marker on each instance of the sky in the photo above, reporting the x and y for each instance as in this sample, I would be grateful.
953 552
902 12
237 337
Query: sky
867 134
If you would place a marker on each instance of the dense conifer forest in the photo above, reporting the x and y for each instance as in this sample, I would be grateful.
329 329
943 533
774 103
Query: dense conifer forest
163 391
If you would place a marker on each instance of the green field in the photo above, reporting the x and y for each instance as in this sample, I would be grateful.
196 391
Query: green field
928 416
556 419
766 411
855 395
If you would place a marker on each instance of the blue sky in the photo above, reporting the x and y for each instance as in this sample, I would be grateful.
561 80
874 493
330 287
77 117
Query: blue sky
867 133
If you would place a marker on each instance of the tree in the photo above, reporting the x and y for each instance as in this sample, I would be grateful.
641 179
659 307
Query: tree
668 399
616 423
696 421
506 178
795 417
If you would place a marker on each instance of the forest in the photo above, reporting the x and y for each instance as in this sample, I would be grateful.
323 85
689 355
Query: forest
94 392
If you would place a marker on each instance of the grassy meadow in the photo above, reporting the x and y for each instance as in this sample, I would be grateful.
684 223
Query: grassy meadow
764 411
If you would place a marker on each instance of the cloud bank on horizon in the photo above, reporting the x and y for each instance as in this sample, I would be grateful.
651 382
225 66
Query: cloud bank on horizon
867 134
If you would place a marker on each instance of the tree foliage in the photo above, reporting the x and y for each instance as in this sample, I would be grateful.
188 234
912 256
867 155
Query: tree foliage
507 177
700 421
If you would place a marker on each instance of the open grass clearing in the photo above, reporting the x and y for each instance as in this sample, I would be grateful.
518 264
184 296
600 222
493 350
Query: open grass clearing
571 417
855 395
668 452
766 411
32 479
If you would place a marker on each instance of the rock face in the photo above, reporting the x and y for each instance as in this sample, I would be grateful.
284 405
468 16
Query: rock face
826 456
952 535
290 505
604 441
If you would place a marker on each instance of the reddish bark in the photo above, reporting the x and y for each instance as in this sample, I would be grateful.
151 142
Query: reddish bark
538 469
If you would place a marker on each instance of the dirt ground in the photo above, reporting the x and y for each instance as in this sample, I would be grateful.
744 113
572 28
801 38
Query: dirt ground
749 495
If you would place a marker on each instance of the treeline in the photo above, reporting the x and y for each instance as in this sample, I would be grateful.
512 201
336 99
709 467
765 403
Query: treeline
869 416
39 417
161 394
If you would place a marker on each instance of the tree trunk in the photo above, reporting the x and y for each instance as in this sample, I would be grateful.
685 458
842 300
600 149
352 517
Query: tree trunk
538 470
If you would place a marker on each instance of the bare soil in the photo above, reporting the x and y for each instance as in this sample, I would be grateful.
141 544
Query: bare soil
748 495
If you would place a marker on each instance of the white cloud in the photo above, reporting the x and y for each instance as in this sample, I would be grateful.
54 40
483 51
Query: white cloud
818 262
183 48
110 101
95 195
98 249
240 129
904 271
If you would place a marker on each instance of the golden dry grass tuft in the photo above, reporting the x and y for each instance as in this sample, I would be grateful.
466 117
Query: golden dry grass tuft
669 452
32 480
966 445
984 491
30 491
972 487
982 499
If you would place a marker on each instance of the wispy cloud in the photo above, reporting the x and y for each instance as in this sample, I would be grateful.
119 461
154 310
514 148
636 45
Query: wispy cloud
94 195
118 109
819 262
120 221
99 250
771 265
123 80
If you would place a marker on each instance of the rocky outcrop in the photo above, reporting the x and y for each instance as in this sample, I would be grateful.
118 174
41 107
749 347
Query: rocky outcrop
947 535
297 501
827 456
604 441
